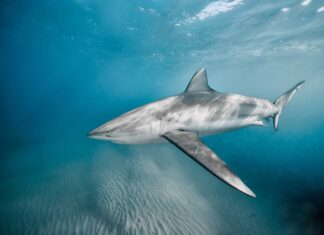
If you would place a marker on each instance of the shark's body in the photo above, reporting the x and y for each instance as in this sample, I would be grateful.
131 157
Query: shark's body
198 111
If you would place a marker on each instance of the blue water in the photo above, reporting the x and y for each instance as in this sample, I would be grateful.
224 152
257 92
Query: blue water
68 66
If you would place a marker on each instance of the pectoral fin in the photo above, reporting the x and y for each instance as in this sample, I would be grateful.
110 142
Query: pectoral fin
190 144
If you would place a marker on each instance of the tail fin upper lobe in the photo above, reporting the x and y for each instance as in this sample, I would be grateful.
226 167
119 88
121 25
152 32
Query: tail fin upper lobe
283 100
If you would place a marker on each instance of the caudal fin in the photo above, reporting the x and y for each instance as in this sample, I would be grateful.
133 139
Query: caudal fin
283 100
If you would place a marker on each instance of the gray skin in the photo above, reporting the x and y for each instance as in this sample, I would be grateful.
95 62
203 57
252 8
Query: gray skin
198 111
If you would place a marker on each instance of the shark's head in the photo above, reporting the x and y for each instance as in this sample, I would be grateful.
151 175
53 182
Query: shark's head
111 132
129 128
100 134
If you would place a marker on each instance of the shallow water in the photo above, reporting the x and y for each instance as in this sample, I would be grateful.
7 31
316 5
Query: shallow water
69 66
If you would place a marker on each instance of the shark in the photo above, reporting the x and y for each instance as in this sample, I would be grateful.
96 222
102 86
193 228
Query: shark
198 111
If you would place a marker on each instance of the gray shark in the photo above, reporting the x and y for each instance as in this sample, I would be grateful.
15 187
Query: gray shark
196 112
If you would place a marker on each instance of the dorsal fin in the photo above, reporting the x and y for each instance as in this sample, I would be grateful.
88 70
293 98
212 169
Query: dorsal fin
199 82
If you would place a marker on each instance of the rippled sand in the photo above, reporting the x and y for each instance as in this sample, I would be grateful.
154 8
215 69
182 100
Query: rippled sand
136 190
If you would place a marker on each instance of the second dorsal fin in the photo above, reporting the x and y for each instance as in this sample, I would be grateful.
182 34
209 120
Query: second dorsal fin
199 82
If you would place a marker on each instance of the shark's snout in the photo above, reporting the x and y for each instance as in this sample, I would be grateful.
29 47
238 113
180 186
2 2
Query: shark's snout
92 134
97 134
